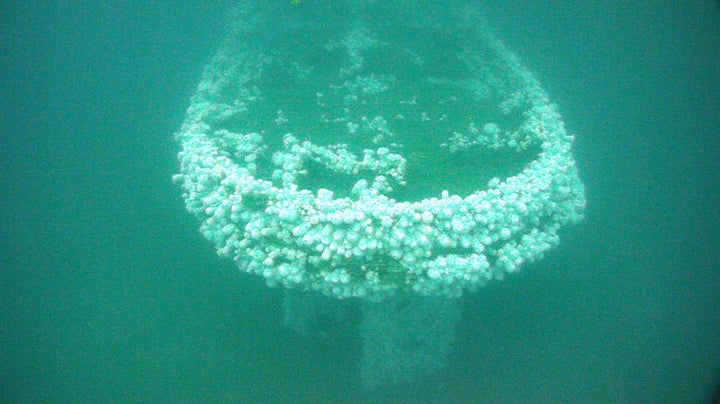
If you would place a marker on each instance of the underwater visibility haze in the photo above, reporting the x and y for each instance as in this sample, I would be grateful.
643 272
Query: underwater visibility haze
391 206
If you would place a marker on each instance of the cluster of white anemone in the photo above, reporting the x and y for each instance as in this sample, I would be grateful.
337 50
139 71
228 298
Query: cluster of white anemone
367 244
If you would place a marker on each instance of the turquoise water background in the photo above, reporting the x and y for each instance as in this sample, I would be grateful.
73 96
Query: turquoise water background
108 293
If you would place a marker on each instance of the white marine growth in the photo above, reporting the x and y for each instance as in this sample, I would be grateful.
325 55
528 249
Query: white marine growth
266 198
